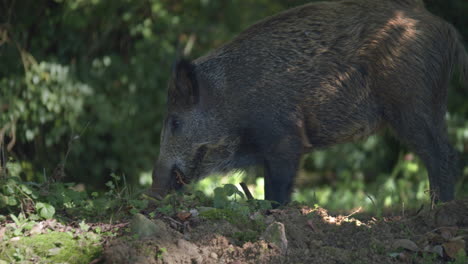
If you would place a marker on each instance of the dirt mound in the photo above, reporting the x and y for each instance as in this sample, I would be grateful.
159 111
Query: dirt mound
313 236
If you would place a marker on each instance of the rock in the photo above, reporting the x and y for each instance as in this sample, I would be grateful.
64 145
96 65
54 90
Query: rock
275 234
189 249
214 255
144 228
37 229
435 249
194 212
405 244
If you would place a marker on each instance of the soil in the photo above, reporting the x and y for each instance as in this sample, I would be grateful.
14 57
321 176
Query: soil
430 235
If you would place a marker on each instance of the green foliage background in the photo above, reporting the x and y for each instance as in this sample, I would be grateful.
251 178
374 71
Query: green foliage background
83 85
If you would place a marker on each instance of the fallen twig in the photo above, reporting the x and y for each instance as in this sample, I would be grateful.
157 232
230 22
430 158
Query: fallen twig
354 212
173 220
246 191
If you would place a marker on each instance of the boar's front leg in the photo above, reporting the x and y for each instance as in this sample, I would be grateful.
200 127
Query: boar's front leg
281 163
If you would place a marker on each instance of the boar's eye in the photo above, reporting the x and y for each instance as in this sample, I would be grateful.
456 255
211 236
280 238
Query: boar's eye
175 124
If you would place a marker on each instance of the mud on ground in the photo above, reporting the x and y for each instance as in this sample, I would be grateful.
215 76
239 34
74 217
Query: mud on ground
310 235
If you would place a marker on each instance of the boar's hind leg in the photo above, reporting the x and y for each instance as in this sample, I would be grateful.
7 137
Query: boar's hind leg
280 168
427 136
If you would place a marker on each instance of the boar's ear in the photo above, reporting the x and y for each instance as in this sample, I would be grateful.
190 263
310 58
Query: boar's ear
184 89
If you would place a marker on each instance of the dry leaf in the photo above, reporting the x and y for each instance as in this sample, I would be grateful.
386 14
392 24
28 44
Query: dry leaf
448 232
2 233
37 228
405 244
184 216
54 251
306 210
453 247
456 238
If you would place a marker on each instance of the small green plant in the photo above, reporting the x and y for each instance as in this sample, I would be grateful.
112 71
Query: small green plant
83 226
167 209
429 258
261 205
222 196
123 195
45 210
18 255
16 195
230 205
461 257
42 200
20 224
160 253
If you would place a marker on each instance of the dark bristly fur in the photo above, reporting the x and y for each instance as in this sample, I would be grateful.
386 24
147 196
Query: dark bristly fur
310 77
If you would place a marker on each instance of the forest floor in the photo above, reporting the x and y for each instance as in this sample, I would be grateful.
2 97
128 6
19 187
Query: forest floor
164 233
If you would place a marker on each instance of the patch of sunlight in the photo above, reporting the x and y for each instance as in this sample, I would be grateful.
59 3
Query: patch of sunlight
388 201
258 191
145 179
412 167
208 184
319 196
422 187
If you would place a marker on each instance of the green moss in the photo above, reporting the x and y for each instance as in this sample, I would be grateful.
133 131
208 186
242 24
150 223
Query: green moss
251 229
246 236
54 247
223 214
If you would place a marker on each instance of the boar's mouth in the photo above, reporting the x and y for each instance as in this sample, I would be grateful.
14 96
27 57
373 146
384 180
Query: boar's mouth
179 178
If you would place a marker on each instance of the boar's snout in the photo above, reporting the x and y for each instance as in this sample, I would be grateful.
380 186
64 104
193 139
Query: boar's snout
166 178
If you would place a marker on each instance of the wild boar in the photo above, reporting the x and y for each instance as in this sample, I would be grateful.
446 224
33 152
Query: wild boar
308 78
